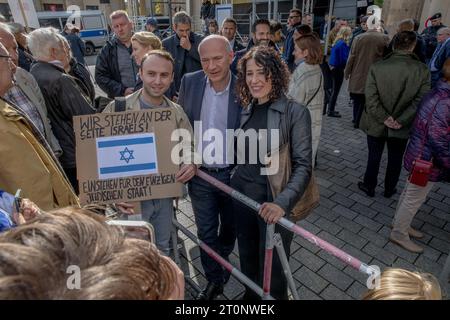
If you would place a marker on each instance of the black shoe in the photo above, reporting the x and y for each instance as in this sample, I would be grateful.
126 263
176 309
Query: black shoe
211 291
366 190
388 194
334 114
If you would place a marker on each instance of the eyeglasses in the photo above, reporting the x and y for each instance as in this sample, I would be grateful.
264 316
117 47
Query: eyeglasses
293 17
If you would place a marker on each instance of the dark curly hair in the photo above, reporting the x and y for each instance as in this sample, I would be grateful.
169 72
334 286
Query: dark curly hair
274 69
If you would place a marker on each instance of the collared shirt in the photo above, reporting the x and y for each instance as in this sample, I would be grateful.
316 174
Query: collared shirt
16 96
232 43
127 66
214 116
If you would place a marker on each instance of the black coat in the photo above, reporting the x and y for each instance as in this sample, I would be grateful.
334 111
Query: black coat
64 100
185 61
107 74
237 46
81 72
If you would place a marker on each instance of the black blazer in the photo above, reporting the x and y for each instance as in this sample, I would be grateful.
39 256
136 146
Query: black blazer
191 94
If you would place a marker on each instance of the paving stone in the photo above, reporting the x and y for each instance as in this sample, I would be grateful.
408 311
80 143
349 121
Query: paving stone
294 264
325 192
431 219
439 205
357 253
340 190
233 289
383 219
305 294
436 232
381 254
382 208
329 214
441 215
331 239
332 260
356 290
342 200
333 293
345 212
328 203
349 224
323 182
399 251
364 200
403 264
352 238
440 245
431 253
373 237
427 265
310 279
328 226
308 259
368 223
335 276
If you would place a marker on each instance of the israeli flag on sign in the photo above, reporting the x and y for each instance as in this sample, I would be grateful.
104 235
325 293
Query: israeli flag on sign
125 156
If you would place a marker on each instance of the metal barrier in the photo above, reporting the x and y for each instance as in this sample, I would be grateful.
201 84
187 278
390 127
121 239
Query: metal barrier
272 240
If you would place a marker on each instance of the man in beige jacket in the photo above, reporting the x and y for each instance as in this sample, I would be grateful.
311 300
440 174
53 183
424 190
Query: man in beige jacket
157 75
367 48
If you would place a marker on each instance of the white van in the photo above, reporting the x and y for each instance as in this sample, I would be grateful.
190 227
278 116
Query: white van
94 28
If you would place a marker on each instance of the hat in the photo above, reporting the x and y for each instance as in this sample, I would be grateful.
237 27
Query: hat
152 21
436 16
70 26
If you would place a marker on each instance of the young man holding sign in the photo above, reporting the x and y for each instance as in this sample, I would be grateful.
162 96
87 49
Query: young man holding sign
157 75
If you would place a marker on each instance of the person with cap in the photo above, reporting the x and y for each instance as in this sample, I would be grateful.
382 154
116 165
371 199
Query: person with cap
25 56
430 34
441 54
360 30
77 45
152 26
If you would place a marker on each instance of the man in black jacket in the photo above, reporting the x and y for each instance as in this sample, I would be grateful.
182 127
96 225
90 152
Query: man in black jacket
183 46
116 70
63 97
260 36
229 28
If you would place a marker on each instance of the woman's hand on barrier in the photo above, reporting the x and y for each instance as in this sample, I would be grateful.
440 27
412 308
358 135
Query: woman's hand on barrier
125 208
271 212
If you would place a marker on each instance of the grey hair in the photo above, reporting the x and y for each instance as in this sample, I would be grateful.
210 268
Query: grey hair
445 30
40 41
16 28
218 37
181 17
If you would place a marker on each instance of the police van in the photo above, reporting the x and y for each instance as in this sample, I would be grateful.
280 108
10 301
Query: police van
93 29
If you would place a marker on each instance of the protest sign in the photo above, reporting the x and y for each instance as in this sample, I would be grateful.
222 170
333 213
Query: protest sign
126 156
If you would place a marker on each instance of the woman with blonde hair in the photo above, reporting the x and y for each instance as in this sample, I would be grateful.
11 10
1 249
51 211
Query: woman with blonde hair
399 284
338 60
306 84
142 43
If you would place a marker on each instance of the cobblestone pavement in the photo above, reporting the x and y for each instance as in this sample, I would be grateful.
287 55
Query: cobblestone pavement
348 219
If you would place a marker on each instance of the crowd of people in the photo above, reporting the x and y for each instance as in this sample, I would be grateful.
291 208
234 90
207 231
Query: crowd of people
399 87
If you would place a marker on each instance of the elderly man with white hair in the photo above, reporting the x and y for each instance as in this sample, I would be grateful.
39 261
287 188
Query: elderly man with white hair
25 94
208 96
63 96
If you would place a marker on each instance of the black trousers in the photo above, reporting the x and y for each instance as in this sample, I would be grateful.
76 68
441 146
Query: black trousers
359 102
71 173
396 148
251 235
338 79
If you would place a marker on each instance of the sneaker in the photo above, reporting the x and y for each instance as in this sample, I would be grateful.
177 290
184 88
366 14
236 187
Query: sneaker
407 244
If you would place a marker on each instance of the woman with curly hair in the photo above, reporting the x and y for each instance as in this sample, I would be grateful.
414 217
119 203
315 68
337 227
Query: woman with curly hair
263 80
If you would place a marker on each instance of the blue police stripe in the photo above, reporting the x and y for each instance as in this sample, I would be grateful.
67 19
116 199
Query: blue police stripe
93 33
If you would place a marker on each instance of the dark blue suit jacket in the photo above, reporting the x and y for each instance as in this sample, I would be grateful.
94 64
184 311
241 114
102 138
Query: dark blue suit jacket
191 94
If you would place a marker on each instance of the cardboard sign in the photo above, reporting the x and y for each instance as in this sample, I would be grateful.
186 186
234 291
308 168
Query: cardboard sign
126 156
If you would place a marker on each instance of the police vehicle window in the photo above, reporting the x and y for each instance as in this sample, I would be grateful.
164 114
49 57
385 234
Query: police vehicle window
54 22
94 22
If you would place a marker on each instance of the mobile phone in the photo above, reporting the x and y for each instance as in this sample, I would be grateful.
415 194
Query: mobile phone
136 229
17 200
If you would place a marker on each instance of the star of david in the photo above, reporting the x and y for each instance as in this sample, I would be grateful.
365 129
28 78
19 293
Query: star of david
126 155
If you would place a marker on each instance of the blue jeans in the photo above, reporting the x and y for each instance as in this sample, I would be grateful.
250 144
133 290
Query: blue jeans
215 223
